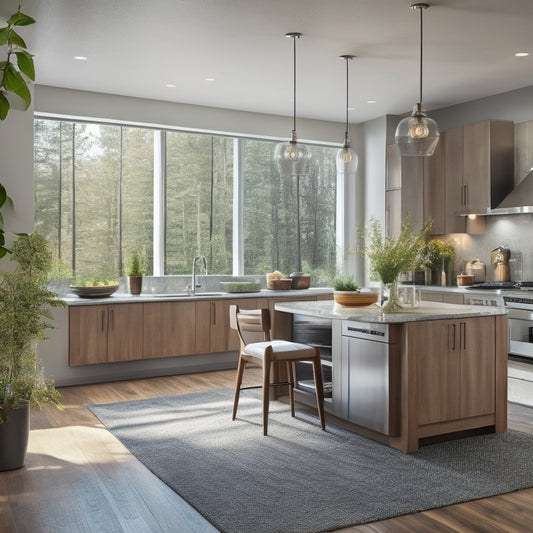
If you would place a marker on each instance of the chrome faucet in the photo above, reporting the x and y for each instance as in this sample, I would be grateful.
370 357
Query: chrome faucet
204 261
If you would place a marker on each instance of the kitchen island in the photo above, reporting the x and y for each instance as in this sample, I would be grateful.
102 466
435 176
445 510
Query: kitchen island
399 378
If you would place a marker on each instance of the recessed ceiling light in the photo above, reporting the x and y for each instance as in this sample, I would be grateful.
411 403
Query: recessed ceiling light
521 54
80 58
371 102
210 79
170 85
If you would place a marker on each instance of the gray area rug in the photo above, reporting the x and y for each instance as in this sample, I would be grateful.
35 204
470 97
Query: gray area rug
300 479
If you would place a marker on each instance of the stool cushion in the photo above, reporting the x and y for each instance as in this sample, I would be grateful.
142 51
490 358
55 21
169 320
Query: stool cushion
282 350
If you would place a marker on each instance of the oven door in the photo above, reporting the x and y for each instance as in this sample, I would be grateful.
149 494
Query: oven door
520 324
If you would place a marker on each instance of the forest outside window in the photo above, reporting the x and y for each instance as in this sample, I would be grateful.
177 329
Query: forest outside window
94 192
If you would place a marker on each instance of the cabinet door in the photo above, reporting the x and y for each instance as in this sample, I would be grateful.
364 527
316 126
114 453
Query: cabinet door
169 329
222 337
478 366
87 334
476 166
455 193
438 369
125 332
435 188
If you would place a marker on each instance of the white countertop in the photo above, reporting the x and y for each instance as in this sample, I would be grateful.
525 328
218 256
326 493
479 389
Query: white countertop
123 298
373 313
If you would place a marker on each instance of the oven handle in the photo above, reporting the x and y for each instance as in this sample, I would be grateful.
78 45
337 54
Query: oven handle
519 314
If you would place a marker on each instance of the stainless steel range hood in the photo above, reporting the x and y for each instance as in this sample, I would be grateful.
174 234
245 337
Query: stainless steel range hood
519 200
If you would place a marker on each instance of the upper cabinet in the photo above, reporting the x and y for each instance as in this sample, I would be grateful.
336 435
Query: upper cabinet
404 175
471 171
479 166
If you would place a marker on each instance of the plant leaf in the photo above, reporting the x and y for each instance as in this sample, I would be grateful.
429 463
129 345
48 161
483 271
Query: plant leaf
14 38
14 83
4 106
4 32
20 19
25 64
3 196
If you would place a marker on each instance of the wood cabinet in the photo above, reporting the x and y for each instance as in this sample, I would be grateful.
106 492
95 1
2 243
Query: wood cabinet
455 372
404 179
479 167
222 337
415 187
172 329
105 333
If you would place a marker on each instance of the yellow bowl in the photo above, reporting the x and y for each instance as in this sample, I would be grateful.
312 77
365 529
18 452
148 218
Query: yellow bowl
354 298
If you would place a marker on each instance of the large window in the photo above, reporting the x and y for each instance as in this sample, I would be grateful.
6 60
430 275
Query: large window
94 187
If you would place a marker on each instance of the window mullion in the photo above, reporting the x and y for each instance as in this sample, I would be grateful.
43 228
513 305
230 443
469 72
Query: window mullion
160 174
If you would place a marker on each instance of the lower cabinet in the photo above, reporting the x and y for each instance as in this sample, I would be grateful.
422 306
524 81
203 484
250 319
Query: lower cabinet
172 329
222 337
456 368
105 333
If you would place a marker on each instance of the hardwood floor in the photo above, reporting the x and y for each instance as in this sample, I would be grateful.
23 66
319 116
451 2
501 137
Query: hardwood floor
79 478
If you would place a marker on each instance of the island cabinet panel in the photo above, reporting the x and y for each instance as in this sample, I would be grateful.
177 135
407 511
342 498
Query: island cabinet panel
222 337
169 329
455 369
105 333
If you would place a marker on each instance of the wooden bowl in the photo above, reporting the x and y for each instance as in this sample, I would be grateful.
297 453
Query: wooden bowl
354 298
279 284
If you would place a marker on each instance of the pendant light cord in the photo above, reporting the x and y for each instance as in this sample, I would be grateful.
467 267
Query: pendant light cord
421 51
294 37
347 60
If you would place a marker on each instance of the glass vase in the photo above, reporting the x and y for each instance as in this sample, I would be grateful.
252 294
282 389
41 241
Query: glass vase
393 302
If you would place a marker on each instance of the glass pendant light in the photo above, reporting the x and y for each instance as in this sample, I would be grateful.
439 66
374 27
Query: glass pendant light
346 157
292 157
418 134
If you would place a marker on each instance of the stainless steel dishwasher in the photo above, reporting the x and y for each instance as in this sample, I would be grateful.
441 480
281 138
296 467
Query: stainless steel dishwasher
366 371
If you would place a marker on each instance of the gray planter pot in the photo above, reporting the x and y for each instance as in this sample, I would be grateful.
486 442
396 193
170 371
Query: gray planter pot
14 433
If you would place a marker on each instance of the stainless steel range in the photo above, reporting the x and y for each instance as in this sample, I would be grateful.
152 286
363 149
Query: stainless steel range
517 297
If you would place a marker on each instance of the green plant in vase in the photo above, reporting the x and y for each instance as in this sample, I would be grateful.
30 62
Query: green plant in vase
388 256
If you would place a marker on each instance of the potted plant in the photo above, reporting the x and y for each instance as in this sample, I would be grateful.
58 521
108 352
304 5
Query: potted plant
18 66
388 256
25 304
135 271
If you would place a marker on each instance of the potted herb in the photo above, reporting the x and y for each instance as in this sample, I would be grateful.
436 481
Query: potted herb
388 256
25 304
135 271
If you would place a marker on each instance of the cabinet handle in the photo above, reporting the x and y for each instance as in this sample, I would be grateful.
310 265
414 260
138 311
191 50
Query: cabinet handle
103 320
112 325
466 194
463 335
451 337
214 313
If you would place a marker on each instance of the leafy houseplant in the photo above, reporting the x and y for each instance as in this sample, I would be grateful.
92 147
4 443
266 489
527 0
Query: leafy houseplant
25 304
388 256
18 66
346 283
135 271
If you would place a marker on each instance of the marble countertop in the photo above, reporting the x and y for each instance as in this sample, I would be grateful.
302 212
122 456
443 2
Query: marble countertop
122 298
372 313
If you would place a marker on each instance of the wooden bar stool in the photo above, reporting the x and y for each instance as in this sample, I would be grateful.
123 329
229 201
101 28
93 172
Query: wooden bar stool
253 327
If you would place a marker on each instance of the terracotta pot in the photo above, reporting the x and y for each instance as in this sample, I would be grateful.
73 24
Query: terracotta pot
14 433
135 284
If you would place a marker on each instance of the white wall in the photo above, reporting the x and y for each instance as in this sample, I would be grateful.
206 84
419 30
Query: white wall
72 103
16 174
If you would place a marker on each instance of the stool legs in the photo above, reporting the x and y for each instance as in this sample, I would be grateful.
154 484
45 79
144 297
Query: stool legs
266 393
319 388
238 383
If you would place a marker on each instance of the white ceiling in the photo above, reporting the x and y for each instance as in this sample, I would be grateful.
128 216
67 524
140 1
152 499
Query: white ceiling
136 47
